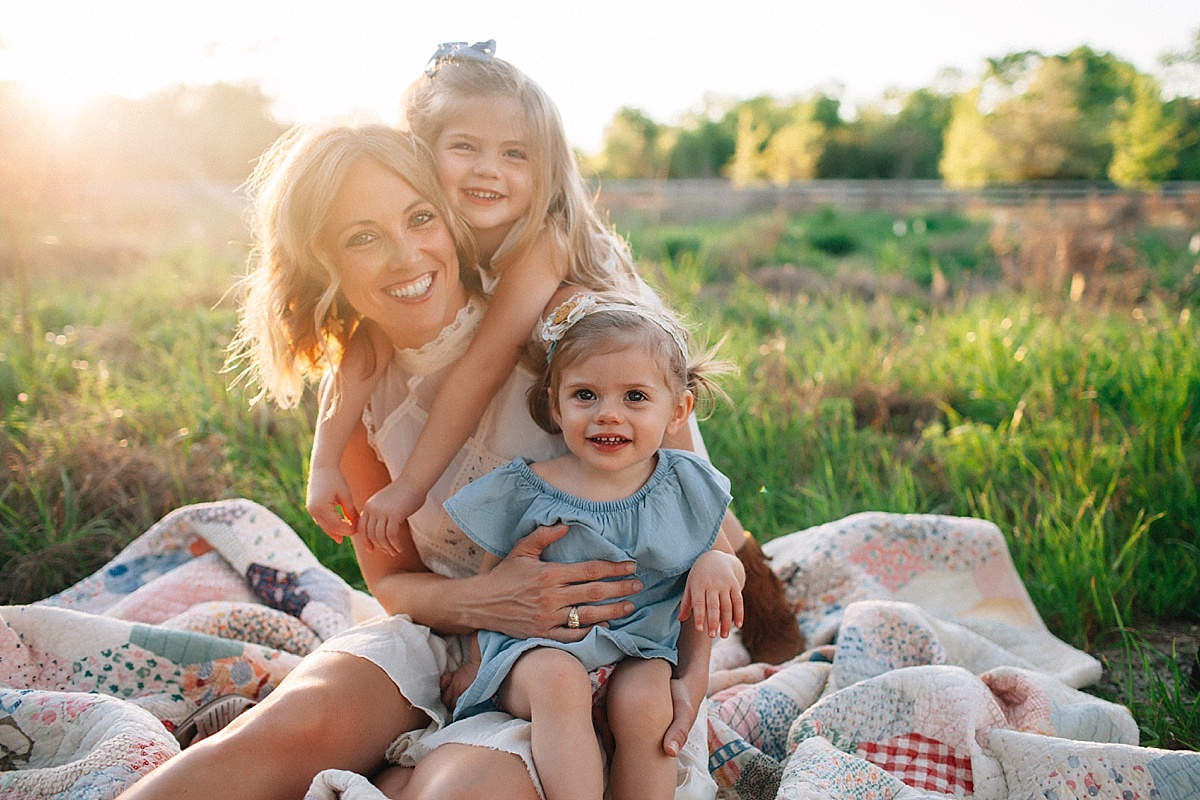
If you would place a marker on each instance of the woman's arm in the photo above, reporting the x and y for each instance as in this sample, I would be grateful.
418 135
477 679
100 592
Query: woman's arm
522 596
526 286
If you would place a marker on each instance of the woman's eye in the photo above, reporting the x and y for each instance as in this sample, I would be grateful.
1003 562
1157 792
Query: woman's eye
421 218
460 146
359 239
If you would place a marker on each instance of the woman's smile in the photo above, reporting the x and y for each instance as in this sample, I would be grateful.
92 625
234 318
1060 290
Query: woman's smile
414 289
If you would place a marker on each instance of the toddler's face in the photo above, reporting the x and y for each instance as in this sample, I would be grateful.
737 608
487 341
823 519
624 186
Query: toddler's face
615 407
484 168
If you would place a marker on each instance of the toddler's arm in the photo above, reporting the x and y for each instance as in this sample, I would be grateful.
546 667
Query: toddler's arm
329 500
713 597
527 283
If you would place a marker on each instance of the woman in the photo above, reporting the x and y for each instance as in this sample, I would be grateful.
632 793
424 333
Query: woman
351 227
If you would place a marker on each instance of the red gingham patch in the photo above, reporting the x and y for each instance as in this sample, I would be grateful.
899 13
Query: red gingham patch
922 763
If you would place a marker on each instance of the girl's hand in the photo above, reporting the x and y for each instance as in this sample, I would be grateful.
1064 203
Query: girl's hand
453 684
687 707
523 596
330 504
385 514
713 597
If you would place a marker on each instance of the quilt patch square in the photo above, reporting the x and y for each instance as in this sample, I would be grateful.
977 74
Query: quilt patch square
922 763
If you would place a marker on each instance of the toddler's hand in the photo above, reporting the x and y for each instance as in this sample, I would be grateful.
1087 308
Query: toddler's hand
713 597
385 514
455 683
330 504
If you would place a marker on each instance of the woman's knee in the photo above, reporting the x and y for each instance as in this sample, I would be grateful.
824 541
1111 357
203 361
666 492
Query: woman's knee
467 772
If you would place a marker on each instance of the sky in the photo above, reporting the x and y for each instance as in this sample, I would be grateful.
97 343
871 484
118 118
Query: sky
323 59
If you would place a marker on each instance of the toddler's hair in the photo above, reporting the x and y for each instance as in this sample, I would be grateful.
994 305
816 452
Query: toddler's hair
632 323
295 323
598 257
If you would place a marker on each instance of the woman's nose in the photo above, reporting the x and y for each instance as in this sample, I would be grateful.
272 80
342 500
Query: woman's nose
401 254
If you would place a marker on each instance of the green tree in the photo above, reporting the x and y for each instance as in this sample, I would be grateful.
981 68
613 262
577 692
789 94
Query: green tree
969 151
1145 138
793 151
1037 118
1187 111
704 143
633 147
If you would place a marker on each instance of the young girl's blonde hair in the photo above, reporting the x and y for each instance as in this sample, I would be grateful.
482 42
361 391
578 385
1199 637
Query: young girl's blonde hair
617 322
598 257
294 321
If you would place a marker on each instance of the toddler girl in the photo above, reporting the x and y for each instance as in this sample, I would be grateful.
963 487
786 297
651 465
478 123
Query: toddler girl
618 379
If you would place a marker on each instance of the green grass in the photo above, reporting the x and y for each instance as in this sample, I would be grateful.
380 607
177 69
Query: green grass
1075 426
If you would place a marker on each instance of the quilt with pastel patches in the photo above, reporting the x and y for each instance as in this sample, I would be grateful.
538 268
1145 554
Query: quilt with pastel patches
929 674
215 599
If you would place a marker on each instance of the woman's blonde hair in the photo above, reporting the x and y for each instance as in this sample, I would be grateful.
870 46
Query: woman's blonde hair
294 320
621 322
598 257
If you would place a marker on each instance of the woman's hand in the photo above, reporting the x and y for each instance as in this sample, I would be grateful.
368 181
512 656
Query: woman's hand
526 597
713 597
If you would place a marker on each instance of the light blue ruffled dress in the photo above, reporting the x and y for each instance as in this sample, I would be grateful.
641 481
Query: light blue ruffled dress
664 527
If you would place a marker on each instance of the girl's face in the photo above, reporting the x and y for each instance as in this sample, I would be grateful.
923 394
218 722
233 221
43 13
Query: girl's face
483 164
614 409
394 254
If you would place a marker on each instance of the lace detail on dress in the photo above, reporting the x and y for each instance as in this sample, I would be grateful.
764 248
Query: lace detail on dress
449 345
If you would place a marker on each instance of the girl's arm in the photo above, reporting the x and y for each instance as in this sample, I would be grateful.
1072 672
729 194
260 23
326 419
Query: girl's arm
525 287
522 596
329 500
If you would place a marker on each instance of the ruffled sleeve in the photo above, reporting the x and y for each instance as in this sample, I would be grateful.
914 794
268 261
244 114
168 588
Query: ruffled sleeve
493 510
689 505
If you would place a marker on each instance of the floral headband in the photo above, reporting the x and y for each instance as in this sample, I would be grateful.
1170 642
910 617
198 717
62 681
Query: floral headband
449 51
580 305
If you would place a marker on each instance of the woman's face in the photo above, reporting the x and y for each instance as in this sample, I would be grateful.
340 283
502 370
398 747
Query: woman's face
394 254
484 168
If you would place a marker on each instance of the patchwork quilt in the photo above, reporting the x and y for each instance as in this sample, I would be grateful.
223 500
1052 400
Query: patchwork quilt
929 674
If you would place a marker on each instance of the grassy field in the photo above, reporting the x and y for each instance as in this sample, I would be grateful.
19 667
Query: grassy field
931 363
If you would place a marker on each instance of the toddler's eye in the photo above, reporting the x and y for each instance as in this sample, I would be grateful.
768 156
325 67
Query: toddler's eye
516 153
584 394
636 396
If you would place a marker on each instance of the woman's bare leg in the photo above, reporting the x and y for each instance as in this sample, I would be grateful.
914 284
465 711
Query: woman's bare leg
467 772
333 711
639 710
551 688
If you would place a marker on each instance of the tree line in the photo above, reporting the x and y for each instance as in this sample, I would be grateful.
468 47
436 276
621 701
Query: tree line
1082 115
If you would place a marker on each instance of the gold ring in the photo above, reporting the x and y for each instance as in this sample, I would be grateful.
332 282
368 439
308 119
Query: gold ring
573 617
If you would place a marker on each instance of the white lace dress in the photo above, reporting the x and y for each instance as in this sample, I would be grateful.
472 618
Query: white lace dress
409 653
